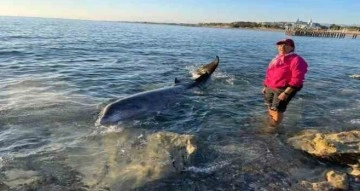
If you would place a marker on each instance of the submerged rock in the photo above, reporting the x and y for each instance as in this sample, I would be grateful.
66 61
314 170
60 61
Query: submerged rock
248 162
160 155
316 186
337 180
334 181
343 148
16 177
45 171
4 186
355 170
128 161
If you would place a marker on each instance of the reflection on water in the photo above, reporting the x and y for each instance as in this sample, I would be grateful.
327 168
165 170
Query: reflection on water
57 75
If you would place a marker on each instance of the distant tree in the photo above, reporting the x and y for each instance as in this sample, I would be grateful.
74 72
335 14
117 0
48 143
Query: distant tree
353 28
335 27
277 26
235 25
244 24
324 27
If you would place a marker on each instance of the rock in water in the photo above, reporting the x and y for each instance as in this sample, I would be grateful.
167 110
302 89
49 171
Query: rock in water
128 163
343 147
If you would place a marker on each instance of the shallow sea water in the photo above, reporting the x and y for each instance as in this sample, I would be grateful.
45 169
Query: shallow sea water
57 75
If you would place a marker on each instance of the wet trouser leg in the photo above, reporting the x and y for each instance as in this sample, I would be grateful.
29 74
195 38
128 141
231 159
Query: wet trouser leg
276 107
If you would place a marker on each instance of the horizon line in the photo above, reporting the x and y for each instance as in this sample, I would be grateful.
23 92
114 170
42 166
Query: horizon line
157 22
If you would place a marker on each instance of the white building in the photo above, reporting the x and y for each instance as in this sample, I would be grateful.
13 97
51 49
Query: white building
304 25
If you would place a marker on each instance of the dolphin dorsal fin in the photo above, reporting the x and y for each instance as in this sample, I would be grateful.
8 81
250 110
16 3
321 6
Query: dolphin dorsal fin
177 81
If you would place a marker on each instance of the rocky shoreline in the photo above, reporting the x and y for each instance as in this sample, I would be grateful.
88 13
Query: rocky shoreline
341 148
163 159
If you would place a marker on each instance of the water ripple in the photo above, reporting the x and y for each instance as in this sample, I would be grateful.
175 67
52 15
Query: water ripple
57 75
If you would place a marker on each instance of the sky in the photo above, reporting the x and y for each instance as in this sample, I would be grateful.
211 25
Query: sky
189 11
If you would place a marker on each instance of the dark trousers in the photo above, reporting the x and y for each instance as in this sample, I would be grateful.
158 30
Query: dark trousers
272 101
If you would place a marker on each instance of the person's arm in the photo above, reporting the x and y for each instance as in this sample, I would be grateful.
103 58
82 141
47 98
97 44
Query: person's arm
289 90
284 95
298 69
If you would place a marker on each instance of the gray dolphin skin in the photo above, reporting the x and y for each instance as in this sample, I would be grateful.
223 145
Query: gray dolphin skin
153 100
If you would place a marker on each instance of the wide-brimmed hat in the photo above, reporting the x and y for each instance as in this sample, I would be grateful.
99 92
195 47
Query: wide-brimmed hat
287 41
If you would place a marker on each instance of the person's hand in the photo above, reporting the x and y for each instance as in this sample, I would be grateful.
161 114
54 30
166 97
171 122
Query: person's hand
283 96
263 90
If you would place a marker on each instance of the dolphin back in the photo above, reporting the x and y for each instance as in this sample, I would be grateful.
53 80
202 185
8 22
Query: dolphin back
152 101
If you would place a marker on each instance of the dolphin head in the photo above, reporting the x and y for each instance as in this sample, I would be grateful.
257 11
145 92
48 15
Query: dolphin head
119 111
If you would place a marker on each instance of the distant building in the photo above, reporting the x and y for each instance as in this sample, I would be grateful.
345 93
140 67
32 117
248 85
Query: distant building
298 24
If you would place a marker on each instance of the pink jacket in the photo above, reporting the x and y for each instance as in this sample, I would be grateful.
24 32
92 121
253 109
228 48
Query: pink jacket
286 70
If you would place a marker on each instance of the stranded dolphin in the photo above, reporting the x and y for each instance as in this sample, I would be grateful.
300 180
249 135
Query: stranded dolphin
153 100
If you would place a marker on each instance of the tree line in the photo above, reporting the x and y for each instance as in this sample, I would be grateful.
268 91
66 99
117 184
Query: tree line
338 27
242 24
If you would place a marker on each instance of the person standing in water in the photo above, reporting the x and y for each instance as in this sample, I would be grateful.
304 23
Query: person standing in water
285 76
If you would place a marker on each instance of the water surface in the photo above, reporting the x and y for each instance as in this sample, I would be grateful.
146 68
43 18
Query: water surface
56 76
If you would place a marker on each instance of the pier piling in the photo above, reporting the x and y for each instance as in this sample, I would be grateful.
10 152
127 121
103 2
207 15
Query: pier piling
320 33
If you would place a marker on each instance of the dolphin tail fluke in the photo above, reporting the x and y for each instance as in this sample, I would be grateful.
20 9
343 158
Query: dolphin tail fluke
208 68
205 72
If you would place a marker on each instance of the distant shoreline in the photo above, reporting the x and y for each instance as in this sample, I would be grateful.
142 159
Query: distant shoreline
255 27
227 26
245 28
213 26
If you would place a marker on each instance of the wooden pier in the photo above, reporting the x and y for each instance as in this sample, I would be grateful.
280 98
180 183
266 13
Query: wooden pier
321 33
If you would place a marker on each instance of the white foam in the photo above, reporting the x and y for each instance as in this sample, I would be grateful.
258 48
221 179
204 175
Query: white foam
4 160
343 110
192 71
102 130
355 76
209 168
230 79
1 162
355 121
